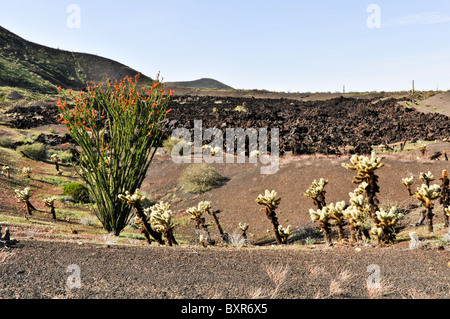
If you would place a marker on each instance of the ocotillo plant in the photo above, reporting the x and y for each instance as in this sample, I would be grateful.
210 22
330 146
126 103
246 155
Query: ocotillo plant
407 182
161 220
444 200
50 202
196 214
135 200
118 128
24 197
426 195
317 193
384 229
271 203
323 216
366 168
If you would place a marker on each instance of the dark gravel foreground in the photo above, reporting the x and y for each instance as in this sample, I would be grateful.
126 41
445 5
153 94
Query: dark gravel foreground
39 270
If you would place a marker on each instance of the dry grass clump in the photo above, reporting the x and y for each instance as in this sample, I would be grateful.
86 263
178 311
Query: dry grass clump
199 178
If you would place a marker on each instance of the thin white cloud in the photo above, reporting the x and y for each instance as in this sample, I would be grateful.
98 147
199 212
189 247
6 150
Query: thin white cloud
424 18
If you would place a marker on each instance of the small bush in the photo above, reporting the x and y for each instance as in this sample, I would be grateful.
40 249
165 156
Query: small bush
35 151
77 191
199 178
170 143
6 142
64 157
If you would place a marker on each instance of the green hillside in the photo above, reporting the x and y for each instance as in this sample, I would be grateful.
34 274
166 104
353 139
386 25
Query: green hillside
204 83
35 67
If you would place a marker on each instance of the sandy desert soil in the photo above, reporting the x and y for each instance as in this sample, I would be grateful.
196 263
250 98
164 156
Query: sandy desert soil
40 270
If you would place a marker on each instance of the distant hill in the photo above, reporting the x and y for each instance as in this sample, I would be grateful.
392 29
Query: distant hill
36 67
204 83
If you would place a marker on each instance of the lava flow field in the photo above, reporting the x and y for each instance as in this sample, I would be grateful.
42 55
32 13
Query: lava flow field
308 127
328 126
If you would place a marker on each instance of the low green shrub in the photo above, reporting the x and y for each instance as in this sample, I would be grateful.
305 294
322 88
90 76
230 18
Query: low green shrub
6 141
77 191
64 156
35 151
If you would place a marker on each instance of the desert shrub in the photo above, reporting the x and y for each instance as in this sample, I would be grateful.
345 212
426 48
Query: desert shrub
59 181
199 178
169 144
63 156
6 142
35 151
77 191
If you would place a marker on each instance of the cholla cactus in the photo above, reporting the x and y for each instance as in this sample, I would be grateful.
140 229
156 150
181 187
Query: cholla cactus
358 214
135 200
358 218
407 182
426 177
23 196
132 199
426 195
447 215
6 170
337 214
196 214
366 168
284 233
26 172
254 153
385 228
364 165
331 212
317 193
323 217
161 220
6 240
269 199
271 202
55 159
213 150
205 207
243 227
423 148
444 200
50 202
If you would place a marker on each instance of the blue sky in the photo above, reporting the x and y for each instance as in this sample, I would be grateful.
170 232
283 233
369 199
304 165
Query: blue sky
296 46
